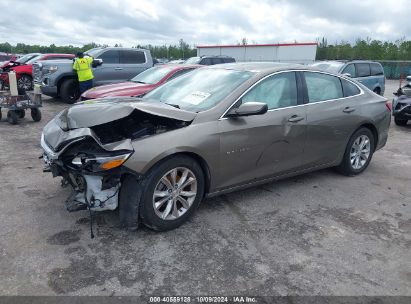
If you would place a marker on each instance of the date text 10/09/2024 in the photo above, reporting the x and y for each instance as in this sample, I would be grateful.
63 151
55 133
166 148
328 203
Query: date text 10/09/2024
203 299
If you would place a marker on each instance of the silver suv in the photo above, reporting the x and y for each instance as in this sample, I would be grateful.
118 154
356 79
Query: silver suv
112 64
369 73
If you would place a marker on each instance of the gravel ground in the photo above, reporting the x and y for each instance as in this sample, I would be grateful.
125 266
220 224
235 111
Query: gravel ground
316 234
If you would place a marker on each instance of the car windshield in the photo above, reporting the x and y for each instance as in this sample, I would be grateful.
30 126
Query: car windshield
152 76
199 90
26 58
34 59
192 60
333 67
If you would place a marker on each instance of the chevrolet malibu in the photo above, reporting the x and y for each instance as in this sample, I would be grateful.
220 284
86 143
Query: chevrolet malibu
214 130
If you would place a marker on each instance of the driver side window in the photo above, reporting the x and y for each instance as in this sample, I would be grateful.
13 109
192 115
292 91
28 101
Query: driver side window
278 91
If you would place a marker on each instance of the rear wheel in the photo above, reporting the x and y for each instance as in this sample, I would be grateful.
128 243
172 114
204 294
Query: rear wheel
0 113
358 152
70 91
25 82
172 192
400 122
12 117
35 114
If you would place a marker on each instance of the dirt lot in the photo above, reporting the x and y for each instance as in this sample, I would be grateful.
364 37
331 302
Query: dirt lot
320 233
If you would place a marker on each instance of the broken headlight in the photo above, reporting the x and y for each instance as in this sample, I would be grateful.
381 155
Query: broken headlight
101 163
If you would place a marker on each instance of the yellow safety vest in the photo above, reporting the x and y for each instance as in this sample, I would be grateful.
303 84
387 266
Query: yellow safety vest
83 68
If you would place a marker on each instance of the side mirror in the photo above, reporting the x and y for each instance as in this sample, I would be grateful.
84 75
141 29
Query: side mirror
347 75
97 62
248 109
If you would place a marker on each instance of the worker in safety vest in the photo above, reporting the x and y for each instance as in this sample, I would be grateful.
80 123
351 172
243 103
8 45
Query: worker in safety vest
82 65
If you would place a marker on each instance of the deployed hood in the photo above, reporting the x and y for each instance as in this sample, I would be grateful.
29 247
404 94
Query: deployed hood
128 88
100 111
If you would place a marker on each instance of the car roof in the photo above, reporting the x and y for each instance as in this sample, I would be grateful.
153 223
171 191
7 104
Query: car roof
346 61
177 66
260 66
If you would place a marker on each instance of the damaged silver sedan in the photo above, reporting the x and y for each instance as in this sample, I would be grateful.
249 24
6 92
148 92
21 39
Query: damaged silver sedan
212 131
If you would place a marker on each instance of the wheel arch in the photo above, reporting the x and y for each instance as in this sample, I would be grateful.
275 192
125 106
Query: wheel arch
199 159
63 78
373 129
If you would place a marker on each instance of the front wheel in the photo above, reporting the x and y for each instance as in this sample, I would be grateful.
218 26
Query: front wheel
70 91
358 153
400 122
173 190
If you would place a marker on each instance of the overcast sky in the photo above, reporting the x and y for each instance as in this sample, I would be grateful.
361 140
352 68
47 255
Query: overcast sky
132 22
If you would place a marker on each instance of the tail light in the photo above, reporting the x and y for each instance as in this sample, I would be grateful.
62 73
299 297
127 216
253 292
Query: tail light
388 104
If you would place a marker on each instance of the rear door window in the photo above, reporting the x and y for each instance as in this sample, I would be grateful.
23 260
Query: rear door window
228 60
349 89
321 87
350 69
363 69
132 57
376 69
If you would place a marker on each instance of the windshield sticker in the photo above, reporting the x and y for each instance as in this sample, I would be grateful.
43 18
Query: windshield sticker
196 97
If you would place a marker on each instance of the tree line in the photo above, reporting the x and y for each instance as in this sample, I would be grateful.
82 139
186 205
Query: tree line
364 49
360 49
176 51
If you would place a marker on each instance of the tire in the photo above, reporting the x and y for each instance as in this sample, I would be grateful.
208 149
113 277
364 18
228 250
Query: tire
35 114
25 82
151 217
21 113
377 91
347 167
12 117
70 91
0 113
400 122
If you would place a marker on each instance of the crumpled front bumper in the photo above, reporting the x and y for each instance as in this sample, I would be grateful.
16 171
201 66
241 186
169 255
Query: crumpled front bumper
97 191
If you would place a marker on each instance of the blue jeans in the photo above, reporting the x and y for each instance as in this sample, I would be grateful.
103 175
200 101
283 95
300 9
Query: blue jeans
85 85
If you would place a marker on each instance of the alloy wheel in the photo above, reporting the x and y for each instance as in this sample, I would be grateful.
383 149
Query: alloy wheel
360 152
24 82
175 193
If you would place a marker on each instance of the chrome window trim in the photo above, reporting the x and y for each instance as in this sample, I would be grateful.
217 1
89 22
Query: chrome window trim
304 104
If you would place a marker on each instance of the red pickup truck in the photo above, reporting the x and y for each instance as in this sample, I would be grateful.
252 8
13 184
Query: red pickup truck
23 69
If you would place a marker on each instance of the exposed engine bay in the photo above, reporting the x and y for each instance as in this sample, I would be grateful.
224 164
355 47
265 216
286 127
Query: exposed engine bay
137 125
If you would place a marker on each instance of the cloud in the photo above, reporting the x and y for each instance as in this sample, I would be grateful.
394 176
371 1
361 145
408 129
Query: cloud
131 22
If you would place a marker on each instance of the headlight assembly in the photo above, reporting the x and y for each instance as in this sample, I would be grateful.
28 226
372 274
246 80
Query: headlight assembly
101 163
52 69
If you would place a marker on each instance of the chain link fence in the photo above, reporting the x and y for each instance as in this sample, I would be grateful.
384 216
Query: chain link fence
394 69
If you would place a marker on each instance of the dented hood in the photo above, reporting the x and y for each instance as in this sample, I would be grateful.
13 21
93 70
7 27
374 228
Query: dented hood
100 111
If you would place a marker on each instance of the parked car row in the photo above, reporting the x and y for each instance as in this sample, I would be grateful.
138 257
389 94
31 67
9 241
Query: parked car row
207 132
23 67
111 65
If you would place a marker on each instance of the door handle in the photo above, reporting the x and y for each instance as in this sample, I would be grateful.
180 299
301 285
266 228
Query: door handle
348 110
295 118
118 69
